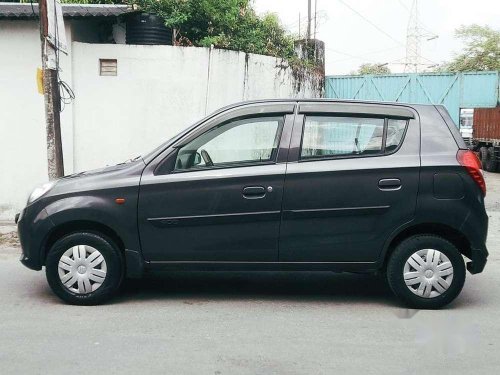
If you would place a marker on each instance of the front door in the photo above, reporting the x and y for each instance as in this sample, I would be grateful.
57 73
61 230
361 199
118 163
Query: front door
351 181
220 199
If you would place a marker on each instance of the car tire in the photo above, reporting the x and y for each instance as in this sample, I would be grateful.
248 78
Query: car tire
422 261
483 156
491 161
80 276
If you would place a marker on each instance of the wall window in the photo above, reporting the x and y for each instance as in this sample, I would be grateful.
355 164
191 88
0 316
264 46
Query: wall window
341 136
108 67
244 141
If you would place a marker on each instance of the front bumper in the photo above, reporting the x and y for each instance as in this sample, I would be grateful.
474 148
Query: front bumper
32 228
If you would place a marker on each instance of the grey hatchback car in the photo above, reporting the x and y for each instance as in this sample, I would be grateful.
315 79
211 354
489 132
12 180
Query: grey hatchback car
291 185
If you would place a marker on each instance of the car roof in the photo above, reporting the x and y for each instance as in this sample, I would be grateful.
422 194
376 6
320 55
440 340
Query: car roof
321 100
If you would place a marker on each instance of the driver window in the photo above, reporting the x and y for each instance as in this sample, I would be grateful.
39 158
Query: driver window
243 141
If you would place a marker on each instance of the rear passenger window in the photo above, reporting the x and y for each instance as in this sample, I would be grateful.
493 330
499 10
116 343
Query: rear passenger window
328 136
339 136
395 132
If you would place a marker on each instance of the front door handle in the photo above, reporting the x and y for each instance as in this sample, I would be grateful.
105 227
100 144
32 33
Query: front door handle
389 184
253 192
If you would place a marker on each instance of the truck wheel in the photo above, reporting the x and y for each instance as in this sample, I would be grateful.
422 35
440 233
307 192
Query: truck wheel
84 268
491 160
426 271
483 155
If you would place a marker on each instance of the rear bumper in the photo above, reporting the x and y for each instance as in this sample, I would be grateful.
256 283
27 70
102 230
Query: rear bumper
475 229
479 257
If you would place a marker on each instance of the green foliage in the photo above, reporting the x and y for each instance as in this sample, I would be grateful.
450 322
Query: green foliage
174 12
89 1
481 51
228 24
376 69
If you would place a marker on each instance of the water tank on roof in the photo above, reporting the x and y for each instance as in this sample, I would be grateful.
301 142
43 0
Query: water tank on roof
145 28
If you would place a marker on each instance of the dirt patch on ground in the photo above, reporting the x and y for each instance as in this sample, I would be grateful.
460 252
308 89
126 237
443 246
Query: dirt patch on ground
9 239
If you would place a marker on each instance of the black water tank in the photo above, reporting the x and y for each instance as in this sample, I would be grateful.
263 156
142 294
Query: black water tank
145 28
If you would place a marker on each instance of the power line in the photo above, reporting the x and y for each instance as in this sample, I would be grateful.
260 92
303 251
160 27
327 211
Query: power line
362 56
295 23
422 25
404 5
411 47
371 23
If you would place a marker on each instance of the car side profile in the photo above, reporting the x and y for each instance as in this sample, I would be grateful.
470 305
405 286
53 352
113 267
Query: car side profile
292 185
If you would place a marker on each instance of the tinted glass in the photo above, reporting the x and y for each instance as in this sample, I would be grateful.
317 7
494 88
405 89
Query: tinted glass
251 140
339 136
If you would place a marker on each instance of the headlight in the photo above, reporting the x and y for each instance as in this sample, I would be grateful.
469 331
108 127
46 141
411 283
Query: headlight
40 190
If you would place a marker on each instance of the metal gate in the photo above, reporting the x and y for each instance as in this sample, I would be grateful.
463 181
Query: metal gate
454 91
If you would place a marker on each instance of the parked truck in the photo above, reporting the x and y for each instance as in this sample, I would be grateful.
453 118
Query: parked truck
486 137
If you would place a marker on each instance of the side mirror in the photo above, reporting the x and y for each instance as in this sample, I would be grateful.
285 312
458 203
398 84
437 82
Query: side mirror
197 159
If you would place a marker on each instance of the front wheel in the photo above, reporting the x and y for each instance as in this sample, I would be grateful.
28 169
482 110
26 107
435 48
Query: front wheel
426 272
84 268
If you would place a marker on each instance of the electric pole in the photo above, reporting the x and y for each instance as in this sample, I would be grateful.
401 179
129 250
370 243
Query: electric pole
413 36
308 20
51 95
416 32
300 35
315 16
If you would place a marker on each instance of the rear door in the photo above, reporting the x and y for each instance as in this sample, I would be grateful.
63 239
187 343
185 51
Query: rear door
352 179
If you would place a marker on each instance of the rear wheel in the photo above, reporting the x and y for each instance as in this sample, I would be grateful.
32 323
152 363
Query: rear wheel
491 160
84 268
483 155
426 272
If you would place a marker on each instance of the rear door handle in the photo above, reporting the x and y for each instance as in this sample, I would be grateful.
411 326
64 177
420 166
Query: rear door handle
389 184
253 192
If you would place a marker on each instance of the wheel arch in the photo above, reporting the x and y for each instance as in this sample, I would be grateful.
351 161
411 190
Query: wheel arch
79 226
458 239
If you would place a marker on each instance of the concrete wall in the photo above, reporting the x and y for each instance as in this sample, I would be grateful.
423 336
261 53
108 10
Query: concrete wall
23 154
159 90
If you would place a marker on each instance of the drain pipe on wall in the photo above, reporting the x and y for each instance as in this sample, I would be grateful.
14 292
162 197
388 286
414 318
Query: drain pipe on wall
207 94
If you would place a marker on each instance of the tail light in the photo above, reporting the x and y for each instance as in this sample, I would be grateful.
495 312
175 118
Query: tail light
469 160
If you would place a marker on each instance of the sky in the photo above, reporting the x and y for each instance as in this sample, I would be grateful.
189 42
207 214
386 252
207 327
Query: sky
374 31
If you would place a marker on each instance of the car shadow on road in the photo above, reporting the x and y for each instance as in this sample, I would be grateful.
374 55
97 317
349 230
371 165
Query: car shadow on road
280 286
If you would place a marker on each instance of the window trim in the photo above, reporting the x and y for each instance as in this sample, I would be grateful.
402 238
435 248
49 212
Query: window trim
273 160
352 156
219 167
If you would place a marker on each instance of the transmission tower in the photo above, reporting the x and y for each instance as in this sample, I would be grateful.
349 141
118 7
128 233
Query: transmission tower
413 37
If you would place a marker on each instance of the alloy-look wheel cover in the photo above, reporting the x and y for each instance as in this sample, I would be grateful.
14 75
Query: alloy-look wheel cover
428 273
82 269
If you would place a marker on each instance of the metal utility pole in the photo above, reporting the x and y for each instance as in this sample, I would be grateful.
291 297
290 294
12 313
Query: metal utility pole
300 35
308 20
51 96
315 16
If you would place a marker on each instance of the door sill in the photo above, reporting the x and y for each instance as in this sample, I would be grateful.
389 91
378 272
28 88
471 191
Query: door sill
263 266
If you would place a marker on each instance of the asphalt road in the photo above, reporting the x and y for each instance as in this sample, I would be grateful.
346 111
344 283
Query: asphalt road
251 323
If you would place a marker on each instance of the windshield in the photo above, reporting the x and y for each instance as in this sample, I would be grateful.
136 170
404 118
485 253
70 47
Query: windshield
157 149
